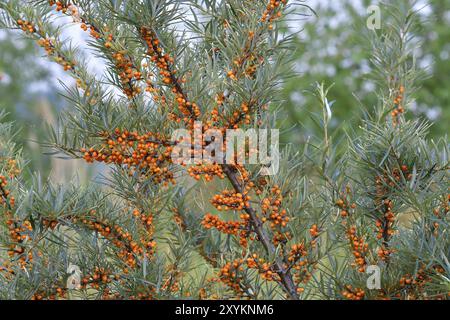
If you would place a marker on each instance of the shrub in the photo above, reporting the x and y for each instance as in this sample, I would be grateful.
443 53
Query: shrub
158 229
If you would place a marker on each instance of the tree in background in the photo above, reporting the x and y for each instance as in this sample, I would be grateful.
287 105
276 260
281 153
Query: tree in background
29 96
330 49
22 81
161 229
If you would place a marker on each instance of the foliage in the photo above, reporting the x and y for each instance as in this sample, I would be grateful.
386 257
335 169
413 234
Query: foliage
22 79
149 232
331 49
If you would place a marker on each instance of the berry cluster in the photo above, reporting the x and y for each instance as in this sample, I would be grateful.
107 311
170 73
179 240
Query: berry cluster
344 206
385 229
229 227
351 293
207 171
100 277
265 269
271 208
413 285
296 256
128 73
314 231
147 241
398 105
49 48
4 192
385 223
19 233
165 63
298 261
359 248
149 152
440 213
26 26
122 240
60 7
171 283
52 293
147 293
242 115
442 210
271 13
230 200
230 275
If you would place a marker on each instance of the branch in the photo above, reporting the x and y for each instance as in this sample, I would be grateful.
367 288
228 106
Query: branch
286 278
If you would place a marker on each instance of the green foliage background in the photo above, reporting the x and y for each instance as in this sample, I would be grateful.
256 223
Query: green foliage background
331 49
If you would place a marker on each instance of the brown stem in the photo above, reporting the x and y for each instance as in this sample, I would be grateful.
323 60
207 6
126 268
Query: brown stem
284 274
5 197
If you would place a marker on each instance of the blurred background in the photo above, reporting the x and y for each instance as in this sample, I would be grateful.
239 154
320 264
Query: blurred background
329 50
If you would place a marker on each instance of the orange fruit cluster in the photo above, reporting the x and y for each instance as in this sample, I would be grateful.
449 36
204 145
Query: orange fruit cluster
26 26
351 293
147 220
230 200
232 75
265 269
93 31
228 227
19 233
207 171
240 116
314 231
4 192
344 207
165 63
145 295
48 223
271 208
171 282
281 237
442 210
414 284
146 240
148 152
385 229
229 274
385 226
128 73
11 168
441 213
60 7
298 251
52 294
128 248
50 50
271 13
298 261
359 248
247 63
382 182
399 109
179 219
99 277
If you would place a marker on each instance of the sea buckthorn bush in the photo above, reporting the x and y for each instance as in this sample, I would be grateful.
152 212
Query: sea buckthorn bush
152 228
